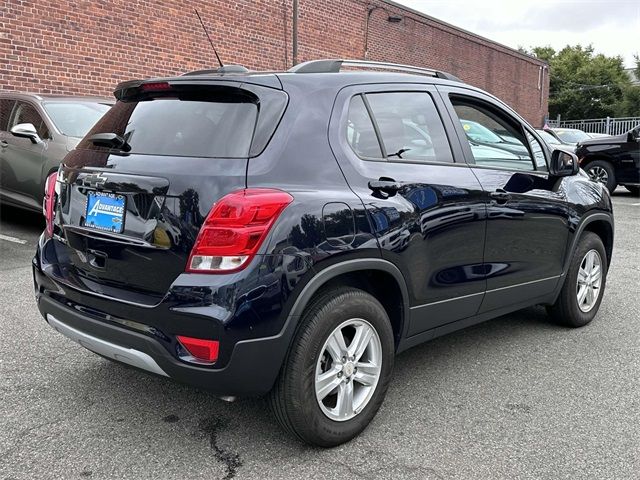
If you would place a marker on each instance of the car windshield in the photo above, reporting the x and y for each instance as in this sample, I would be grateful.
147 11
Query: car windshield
572 136
547 137
75 119
479 133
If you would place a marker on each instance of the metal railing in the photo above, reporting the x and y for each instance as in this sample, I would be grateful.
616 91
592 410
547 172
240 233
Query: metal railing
608 125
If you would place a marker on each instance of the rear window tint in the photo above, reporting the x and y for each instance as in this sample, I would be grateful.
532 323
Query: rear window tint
215 125
410 126
360 132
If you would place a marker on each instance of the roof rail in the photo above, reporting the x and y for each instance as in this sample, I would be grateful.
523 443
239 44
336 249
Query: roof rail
336 65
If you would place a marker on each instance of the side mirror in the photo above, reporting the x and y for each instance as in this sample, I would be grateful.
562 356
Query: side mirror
26 130
634 135
563 163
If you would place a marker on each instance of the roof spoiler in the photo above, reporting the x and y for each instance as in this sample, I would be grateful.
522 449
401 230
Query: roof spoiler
221 70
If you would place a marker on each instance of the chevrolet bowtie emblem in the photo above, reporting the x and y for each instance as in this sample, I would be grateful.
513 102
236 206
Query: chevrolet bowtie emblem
94 180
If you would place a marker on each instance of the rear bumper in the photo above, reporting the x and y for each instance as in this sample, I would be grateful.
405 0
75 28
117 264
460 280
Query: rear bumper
127 355
251 369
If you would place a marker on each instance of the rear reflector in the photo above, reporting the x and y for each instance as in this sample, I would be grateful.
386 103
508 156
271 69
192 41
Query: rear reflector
203 350
49 202
235 228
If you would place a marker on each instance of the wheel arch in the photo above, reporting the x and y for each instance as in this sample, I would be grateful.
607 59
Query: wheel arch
600 157
593 157
599 223
378 277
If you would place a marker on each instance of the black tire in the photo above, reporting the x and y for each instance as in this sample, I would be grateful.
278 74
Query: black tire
611 182
565 310
635 190
293 398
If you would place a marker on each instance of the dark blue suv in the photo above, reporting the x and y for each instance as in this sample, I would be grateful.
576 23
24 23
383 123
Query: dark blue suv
288 233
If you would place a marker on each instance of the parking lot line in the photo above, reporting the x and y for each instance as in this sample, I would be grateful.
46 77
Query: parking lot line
12 239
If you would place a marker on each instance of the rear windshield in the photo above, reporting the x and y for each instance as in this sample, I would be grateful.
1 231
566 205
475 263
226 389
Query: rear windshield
74 119
215 125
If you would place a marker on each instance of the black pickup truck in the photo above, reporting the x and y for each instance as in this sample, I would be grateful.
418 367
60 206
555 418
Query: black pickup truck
613 160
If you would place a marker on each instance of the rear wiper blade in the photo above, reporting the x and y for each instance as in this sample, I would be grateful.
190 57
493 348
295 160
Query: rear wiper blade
399 153
110 140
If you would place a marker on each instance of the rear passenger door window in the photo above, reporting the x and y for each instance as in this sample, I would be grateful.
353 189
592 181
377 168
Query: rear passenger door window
494 139
26 113
397 126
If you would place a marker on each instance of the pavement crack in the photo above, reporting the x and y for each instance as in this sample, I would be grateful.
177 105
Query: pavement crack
231 460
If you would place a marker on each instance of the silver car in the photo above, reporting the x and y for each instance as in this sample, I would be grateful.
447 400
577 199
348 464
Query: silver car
36 132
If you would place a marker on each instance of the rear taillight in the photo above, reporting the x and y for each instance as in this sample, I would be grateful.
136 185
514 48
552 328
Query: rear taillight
235 228
49 202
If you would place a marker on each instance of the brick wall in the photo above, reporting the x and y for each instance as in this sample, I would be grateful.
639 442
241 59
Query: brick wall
87 47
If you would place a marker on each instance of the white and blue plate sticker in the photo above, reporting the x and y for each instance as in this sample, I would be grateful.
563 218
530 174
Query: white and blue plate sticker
105 211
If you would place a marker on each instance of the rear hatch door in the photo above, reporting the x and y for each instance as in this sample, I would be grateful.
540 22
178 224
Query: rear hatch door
129 210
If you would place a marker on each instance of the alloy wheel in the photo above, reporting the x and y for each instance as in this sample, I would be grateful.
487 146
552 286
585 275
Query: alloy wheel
589 280
348 369
598 174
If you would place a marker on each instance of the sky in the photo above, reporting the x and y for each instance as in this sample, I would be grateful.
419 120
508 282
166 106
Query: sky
612 27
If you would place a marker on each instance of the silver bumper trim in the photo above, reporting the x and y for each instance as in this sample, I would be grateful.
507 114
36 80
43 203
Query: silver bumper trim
129 356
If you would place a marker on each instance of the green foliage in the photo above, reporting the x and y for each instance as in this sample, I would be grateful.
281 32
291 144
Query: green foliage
586 85
630 104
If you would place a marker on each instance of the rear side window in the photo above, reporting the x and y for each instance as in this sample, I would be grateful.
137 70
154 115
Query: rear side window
187 125
408 124
5 111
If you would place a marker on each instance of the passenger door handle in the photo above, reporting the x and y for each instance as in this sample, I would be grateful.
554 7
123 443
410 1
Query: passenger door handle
385 185
4 144
500 196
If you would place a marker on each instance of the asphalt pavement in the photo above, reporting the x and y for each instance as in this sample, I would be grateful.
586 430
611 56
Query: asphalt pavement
515 397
